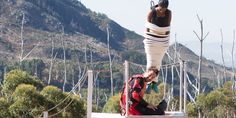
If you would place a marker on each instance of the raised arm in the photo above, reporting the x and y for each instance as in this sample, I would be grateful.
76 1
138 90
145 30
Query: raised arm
170 17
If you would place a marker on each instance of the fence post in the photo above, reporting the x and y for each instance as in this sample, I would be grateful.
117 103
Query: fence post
180 86
45 114
90 94
127 87
185 85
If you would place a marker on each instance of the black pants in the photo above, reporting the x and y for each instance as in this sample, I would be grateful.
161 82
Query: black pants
147 111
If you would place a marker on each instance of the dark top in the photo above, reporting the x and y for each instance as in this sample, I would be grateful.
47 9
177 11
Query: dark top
160 21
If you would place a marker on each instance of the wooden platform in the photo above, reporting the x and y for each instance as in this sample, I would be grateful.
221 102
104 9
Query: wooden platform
168 115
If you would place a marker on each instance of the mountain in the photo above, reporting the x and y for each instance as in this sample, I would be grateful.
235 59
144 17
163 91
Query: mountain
70 16
69 25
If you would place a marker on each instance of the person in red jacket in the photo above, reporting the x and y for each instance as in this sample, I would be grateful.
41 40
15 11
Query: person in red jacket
137 105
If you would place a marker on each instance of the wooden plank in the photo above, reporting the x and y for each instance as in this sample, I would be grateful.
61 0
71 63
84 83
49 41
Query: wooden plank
168 115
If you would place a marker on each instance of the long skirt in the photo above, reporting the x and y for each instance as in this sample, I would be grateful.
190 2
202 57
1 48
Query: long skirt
155 49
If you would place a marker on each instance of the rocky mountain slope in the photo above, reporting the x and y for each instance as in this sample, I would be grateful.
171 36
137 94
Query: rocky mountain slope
69 25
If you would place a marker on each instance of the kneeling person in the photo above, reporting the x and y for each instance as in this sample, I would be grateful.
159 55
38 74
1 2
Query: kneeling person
137 88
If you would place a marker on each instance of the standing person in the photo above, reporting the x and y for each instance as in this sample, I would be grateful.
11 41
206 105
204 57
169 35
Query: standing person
137 105
157 36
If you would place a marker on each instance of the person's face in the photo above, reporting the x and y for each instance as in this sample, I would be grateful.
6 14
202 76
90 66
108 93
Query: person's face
151 76
161 9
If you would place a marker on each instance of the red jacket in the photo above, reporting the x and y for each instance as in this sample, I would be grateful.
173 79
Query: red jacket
137 86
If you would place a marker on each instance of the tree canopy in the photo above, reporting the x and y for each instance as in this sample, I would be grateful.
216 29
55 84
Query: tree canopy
25 97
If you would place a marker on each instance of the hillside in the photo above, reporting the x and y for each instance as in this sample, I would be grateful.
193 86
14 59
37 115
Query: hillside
69 25
68 16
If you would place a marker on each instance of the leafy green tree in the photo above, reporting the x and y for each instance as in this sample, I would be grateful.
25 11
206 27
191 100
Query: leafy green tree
4 112
214 99
53 93
27 102
192 110
73 106
113 104
216 104
76 108
16 77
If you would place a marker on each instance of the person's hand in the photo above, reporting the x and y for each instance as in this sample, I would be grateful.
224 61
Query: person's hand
150 106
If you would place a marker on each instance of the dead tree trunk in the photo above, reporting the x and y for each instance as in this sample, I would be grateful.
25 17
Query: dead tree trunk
64 61
201 39
22 57
110 61
51 63
53 57
175 49
222 55
21 37
232 55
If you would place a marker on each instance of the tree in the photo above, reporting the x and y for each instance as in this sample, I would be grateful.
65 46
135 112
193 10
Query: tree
71 105
17 77
75 108
192 110
201 39
53 94
33 67
222 55
4 112
110 61
27 102
218 103
113 104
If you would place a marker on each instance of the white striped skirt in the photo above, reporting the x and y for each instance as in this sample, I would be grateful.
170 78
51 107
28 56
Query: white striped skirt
155 46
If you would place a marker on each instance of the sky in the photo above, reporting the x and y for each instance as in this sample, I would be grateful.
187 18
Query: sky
216 15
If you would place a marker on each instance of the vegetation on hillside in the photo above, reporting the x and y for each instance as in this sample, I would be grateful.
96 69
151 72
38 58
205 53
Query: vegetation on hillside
23 95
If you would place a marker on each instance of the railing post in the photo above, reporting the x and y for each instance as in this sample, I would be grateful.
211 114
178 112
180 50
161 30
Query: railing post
185 86
127 87
45 114
181 86
90 94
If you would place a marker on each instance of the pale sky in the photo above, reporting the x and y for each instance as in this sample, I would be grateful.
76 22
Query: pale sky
216 14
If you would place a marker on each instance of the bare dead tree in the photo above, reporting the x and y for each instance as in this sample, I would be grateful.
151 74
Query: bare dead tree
64 60
53 57
82 72
232 58
91 58
85 53
97 94
222 55
175 48
110 60
201 39
216 77
51 62
21 36
22 57
74 56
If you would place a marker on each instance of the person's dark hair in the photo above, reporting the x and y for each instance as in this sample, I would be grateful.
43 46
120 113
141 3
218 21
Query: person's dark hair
163 3
154 69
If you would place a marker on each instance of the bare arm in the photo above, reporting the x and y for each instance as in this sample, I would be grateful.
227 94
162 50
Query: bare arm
170 17
149 17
